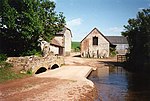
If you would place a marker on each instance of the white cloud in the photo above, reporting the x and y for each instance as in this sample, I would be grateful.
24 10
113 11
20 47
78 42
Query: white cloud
53 0
74 22
140 9
115 29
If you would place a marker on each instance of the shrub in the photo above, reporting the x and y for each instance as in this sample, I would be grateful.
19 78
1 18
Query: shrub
113 52
29 71
32 52
7 73
3 57
75 46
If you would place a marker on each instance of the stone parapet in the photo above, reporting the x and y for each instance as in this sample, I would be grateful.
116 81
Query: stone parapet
34 62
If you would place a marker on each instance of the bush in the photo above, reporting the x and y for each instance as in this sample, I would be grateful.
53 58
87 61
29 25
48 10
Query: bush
29 71
32 52
5 65
113 52
75 46
7 73
3 57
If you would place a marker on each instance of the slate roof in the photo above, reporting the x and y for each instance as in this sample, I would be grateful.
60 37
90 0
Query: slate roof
117 39
98 32
55 43
63 31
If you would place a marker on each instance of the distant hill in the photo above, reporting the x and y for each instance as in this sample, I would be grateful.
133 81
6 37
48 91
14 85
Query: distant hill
75 46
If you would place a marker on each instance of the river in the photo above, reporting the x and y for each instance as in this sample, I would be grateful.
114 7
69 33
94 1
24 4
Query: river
116 84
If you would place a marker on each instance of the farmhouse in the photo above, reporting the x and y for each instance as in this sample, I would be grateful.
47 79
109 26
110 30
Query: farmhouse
95 45
61 43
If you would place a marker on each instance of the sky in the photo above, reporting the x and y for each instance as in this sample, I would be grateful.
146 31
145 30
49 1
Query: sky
108 16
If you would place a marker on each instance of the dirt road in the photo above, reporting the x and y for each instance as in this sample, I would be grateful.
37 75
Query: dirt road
52 89
47 89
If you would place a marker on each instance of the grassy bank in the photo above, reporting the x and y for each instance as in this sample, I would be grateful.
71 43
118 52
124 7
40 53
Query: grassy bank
75 46
6 73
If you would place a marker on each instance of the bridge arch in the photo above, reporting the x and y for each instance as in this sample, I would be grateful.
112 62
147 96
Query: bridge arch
41 70
54 66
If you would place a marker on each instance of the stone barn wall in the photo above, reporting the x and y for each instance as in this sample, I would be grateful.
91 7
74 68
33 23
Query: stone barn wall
98 50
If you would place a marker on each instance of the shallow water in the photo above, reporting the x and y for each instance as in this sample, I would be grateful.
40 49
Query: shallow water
116 84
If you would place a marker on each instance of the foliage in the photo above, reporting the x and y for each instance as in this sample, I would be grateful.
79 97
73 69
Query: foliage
75 46
22 22
34 51
29 71
3 57
6 72
138 34
4 64
112 52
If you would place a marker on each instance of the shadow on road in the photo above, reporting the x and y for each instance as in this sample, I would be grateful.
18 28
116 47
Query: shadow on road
77 55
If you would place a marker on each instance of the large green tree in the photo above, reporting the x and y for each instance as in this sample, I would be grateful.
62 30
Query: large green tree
138 34
22 22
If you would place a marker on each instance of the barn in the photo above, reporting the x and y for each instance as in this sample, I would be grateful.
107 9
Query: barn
120 42
95 45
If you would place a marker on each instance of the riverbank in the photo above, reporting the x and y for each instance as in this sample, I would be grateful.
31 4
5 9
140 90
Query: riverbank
44 89
38 89
7 73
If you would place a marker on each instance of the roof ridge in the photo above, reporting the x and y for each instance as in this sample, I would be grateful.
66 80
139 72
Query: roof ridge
98 32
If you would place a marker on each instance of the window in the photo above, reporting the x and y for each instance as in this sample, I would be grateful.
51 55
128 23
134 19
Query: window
95 40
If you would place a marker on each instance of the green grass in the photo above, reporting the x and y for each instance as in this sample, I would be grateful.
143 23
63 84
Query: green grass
6 73
75 46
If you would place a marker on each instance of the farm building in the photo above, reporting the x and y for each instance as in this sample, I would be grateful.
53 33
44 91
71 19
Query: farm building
61 43
95 45
120 42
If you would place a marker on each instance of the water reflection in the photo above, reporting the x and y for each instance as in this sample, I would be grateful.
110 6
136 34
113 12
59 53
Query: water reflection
138 87
116 84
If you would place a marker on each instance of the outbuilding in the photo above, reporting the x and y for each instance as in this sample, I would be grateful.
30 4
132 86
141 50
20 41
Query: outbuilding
120 42
95 45
61 43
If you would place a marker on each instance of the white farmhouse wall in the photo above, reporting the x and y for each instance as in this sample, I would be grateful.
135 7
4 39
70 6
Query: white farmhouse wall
63 41
54 49
67 42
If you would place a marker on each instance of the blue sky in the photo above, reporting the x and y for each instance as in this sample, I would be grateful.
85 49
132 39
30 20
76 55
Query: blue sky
108 16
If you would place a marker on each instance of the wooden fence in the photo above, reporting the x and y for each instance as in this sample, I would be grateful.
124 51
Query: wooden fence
121 58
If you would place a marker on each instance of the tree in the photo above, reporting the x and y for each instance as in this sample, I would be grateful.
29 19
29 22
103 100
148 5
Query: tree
138 34
22 22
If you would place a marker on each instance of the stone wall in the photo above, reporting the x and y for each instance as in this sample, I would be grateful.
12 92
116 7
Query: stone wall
95 51
34 63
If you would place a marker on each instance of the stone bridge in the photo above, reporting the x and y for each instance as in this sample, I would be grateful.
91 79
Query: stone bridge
35 64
